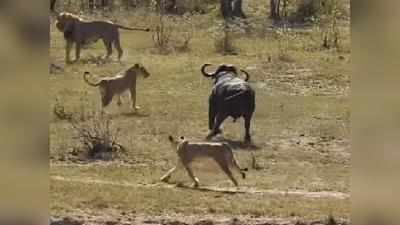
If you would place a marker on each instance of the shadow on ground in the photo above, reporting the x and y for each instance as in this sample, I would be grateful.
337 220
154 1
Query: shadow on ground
129 114
240 145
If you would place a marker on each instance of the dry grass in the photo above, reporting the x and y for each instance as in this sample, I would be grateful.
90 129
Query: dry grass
300 126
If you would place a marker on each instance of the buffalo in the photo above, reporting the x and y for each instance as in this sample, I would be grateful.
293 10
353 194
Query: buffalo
230 96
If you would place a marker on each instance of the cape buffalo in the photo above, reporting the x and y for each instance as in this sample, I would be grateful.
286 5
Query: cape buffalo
230 96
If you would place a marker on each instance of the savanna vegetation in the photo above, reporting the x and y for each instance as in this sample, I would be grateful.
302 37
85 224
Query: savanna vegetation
105 165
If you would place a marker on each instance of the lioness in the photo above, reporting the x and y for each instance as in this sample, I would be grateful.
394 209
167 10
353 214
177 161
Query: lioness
79 32
188 151
116 85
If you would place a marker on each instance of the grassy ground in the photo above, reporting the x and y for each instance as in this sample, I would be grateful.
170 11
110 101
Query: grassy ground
300 127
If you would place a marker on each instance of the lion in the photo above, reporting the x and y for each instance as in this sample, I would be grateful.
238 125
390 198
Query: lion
188 151
80 32
116 85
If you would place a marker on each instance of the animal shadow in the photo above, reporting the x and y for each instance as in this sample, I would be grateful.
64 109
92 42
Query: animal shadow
128 114
240 144
135 114
210 189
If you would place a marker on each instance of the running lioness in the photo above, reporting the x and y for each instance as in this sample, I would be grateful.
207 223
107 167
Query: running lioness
188 151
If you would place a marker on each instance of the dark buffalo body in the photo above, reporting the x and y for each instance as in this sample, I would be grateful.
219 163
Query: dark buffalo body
230 97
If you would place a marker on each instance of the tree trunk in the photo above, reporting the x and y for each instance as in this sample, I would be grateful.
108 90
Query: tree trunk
104 3
52 5
167 6
91 6
275 9
129 4
226 9
309 8
237 9
82 5
231 9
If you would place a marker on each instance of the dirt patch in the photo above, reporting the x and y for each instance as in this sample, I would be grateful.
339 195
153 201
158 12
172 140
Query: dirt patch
66 221
233 190
191 220
303 82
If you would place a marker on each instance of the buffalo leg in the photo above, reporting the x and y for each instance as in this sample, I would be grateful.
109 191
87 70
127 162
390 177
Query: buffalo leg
211 114
109 49
215 130
117 45
247 121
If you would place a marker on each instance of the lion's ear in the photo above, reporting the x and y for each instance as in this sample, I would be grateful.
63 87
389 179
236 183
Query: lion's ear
182 138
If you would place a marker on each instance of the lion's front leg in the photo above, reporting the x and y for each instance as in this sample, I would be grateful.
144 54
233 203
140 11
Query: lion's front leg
133 97
119 102
77 51
192 176
68 52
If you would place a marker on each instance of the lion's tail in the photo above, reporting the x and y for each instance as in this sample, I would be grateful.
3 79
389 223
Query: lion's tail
130 28
85 74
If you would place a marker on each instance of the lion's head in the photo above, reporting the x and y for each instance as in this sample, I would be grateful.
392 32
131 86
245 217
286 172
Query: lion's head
177 142
65 22
138 69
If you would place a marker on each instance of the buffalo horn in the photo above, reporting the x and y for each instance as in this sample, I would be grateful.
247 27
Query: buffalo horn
203 70
247 75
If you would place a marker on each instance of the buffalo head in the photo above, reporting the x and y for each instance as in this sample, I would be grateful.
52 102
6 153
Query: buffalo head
223 68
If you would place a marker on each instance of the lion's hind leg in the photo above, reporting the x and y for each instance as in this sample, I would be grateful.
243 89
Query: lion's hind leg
224 164
106 96
78 47
231 159
68 47
238 168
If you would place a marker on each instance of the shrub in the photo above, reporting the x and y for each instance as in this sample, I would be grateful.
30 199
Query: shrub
172 33
329 22
97 137
223 36
60 112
